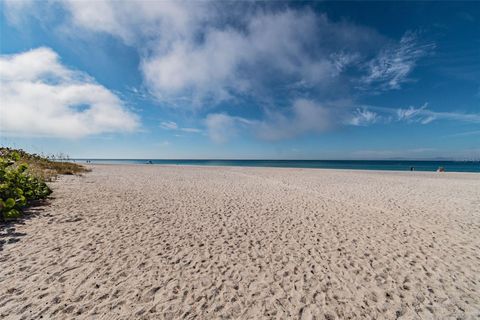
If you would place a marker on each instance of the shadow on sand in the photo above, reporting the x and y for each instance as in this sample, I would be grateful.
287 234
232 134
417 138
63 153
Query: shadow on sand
8 233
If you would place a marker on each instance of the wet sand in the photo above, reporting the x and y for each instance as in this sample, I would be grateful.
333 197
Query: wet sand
170 242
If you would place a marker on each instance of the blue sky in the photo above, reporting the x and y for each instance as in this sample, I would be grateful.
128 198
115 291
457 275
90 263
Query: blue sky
256 80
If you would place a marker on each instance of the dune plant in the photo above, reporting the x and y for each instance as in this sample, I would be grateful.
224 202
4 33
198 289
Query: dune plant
18 187
45 167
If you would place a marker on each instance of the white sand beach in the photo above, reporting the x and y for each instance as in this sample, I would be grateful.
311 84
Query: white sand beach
179 242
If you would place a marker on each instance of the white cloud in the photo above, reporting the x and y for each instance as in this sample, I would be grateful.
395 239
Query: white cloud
303 117
271 49
363 117
205 72
191 130
32 65
169 125
308 116
220 127
196 54
15 10
426 116
42 97
393 65
133 21
411 113
200 53
422 115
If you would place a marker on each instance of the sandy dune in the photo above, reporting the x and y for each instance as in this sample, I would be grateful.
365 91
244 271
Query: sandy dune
159 242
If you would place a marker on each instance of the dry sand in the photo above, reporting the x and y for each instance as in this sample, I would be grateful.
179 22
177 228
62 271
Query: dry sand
160 242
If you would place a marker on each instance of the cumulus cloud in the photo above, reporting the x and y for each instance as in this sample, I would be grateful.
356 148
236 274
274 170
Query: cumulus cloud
200 54
42 97
196 54
136 21
271 49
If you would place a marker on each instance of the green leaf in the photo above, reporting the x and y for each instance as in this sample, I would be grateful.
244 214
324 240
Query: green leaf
15 156
13 213
22 167
10 203
21 201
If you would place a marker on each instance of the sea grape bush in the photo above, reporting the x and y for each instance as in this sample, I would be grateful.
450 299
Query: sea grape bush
45 167
17 186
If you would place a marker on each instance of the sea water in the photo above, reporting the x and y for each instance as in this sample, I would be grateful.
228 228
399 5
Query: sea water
397 165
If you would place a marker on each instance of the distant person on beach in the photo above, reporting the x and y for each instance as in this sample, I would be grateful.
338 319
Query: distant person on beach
441 169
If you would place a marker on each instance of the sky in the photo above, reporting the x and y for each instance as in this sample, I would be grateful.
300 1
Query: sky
241 80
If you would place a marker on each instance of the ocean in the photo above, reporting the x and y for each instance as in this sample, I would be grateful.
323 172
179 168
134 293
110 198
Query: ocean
396 165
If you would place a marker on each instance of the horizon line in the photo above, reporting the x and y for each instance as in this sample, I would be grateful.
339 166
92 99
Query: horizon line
253 159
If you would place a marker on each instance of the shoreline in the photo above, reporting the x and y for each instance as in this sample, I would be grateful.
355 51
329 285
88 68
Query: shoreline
92 165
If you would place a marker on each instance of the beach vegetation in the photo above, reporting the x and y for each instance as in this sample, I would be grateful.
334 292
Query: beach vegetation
23 178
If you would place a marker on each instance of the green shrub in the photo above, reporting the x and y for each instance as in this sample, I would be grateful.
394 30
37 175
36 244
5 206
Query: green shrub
46 168
18 187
